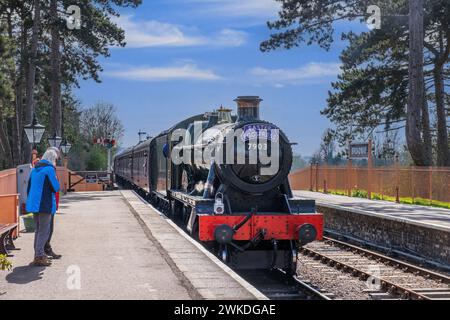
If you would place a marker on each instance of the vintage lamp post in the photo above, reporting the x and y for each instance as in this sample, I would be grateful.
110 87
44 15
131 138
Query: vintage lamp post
34 132
65 149
54 141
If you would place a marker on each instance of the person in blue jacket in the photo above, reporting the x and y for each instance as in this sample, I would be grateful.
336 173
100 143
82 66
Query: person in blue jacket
48 247
41 201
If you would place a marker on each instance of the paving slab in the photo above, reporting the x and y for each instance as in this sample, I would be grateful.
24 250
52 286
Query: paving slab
102 242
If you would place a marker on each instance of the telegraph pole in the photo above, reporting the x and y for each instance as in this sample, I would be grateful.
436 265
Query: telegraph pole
55 86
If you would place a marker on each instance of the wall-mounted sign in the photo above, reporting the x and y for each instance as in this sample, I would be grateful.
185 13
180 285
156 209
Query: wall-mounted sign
359 151
104 177
91 178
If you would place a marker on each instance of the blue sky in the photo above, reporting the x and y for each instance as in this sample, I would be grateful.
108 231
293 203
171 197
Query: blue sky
186 57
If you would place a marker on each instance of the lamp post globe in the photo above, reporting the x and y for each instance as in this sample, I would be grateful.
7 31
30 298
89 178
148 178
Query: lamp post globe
65 147
55 141
34 131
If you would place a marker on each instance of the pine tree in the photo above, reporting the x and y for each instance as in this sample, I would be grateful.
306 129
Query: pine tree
50 59
372 89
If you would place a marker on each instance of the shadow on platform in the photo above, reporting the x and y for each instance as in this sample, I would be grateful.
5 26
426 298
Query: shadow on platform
87 196
25 274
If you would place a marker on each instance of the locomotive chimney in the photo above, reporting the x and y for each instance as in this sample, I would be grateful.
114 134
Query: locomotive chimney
248 108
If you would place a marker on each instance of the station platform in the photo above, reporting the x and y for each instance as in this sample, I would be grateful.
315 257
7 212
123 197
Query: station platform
422 232
115 246
430 216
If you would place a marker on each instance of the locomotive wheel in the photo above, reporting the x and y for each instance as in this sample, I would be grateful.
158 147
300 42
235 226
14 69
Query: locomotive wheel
195 231
175 210
184 181
166 207
223 254
186 215
187 182
291 262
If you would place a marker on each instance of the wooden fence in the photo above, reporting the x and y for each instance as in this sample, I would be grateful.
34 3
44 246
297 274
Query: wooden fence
8 182
431 183
9 198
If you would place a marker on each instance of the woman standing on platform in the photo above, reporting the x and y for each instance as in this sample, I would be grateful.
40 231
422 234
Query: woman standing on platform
41 201
48 247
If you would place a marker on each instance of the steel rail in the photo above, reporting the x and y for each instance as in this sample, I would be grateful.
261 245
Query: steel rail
317 293
303 284
409 256
387 285
407 267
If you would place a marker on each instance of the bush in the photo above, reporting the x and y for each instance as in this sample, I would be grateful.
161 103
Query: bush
376 196
5 264
359 193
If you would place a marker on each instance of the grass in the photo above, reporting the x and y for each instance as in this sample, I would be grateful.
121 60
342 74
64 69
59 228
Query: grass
405 200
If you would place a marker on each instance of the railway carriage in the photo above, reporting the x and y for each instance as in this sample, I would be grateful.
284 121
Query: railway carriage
248 218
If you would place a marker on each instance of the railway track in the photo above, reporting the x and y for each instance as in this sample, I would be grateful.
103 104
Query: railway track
384 277
277 285
390 278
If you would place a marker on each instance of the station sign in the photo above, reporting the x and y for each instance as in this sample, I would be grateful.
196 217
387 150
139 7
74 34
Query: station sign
359 151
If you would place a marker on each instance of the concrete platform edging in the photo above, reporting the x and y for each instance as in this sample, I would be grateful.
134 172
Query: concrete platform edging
430 217
207 275
384 216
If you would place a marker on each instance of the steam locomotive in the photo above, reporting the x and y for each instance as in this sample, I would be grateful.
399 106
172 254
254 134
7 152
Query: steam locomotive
224 178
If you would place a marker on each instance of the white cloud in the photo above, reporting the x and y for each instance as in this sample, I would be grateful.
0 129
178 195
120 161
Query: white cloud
152 33
253 8
310 71
231 38
184 72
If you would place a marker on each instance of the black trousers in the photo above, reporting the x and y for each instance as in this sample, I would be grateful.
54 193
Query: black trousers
48 246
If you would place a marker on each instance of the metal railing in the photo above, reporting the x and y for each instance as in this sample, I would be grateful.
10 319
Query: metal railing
429 185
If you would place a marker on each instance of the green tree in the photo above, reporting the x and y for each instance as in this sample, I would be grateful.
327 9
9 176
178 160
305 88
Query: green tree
32 56
373 87
298 162
50 59
6 97
97 159
97 122
74 52
101 121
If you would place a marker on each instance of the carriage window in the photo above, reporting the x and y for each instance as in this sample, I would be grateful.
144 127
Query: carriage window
145 164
